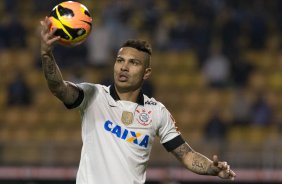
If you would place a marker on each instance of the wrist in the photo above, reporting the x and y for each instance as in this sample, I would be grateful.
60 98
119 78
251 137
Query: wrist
212 170
46 51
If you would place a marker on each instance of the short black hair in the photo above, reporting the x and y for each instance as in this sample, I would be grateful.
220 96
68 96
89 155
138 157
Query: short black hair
140 45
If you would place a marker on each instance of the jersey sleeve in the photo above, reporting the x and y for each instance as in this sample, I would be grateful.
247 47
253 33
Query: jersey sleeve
86 92
170 137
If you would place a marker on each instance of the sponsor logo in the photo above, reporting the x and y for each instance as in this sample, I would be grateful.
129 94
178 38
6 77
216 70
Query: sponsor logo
143 117
127 135
151 103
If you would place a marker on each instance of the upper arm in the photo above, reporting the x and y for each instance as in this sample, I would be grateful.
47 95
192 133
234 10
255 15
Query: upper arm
68 93
167 129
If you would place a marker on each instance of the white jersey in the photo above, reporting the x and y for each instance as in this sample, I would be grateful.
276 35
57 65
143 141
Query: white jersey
118 135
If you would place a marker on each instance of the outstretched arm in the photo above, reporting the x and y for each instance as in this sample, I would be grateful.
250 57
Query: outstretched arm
65 91
200 164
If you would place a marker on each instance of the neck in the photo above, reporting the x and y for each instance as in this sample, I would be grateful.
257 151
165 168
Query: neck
130 95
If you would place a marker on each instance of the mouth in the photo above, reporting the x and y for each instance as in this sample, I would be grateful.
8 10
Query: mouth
122 77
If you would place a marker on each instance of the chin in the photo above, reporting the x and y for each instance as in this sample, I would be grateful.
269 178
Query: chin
125 87
122 84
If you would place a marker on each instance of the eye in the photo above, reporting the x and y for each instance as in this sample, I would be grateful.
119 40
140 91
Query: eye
119 60
134 62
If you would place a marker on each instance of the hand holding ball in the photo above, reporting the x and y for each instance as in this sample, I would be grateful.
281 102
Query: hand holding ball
72 21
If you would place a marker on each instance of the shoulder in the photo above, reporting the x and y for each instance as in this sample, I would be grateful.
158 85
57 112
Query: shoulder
152 102
91 93
91 87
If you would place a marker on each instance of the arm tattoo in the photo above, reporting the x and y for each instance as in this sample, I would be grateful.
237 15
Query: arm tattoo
51 70
181 151
64 91
199 165
193 161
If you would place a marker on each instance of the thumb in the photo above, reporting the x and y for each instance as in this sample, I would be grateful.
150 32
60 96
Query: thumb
215 160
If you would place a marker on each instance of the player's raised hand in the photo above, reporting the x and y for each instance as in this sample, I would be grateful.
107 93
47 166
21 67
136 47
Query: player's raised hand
47 37
222 169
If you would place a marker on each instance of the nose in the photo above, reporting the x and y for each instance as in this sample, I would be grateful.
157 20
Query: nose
124 66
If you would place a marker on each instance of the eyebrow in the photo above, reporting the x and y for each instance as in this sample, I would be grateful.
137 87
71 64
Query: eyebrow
120 57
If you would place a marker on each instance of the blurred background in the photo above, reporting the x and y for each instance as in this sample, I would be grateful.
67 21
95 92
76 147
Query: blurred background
217 67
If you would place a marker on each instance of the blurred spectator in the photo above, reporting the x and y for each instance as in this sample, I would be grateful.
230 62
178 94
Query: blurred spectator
19 92
180 33
14 31
229 30
216 128
117 16
151 16
258 26
241 108
241 70
100 45
67 57
161 37
3 39
77 74
16 28
217 69
261 112
202 39
11 6
203 28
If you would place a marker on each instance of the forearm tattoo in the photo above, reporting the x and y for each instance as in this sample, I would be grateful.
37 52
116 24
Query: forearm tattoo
199 164
181 151
202 165
193 161
51 70
61 89
53 76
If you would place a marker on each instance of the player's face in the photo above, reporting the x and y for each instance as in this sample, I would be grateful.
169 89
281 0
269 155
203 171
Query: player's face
131 68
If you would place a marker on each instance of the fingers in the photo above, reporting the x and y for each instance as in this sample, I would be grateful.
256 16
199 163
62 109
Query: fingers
227 173
220 165
215 160
223 165
52 32
46 24
224 169
51 41
227 168
232 175
48 37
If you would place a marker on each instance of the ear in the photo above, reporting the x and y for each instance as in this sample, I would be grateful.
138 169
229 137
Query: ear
147 73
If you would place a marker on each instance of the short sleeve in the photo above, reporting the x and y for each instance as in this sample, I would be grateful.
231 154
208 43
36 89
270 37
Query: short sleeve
167 129
86 93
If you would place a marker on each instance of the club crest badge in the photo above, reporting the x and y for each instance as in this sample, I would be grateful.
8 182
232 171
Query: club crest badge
144 117
127 118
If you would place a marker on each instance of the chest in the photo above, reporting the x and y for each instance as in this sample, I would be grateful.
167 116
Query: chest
127 121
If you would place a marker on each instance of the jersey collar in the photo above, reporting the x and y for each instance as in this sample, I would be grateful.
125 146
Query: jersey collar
113 93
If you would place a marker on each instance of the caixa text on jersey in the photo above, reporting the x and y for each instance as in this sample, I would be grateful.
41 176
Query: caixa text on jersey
127 135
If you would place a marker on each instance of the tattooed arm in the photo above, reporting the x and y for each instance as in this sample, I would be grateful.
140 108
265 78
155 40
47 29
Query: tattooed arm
200 164
65 91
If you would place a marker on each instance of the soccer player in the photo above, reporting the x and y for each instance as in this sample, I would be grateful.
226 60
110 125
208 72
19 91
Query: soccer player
119 122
